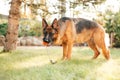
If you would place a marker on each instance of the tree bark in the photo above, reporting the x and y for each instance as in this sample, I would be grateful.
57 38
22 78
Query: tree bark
13 23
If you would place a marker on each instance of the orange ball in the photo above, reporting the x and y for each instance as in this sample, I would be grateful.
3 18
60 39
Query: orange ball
45 43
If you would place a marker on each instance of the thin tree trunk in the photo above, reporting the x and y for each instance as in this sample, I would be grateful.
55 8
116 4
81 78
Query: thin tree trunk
2 40
111 39
13 23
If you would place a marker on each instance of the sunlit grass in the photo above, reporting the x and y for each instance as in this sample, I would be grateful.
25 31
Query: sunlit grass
32 63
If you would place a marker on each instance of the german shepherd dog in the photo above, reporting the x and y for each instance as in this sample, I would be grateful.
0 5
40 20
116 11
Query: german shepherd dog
67 31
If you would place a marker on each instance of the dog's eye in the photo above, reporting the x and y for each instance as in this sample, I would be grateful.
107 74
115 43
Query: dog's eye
54 32
44 32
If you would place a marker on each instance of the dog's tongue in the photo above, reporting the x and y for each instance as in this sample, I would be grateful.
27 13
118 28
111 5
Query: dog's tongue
45 43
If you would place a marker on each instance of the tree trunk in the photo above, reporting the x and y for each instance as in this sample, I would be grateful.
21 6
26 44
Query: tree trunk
13 23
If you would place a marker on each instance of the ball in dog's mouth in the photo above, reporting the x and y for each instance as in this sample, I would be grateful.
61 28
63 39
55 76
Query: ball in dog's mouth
45 43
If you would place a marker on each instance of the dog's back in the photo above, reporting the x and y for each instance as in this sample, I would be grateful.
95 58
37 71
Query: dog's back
84 24
79 23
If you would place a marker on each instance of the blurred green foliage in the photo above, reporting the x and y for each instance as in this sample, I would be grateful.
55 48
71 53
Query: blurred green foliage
30 28
3 28
113 26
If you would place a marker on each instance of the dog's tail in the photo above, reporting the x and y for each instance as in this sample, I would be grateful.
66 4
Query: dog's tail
107 40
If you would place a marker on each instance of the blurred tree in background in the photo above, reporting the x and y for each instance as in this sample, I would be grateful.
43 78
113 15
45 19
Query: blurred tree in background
30 28
34 8
46 8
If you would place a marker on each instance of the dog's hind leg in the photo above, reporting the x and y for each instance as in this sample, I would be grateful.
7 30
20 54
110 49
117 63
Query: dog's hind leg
99 39
101 44
94 48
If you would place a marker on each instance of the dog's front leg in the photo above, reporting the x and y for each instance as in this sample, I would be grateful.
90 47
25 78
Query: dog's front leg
65 48
69 51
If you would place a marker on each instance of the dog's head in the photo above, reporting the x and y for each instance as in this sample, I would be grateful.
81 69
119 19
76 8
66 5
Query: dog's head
50 32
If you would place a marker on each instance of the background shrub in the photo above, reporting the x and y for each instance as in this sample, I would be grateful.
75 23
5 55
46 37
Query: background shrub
113 26
3 28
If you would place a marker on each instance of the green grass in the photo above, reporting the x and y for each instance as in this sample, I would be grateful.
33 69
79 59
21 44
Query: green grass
32 63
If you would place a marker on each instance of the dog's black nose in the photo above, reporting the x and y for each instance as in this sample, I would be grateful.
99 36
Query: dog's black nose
46 40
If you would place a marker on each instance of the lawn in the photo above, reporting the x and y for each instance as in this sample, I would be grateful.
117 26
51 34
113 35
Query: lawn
32 63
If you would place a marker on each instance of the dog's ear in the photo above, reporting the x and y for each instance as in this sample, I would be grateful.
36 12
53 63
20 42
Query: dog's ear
44 23
55 23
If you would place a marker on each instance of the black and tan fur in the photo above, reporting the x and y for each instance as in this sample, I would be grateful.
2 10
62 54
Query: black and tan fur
67 31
